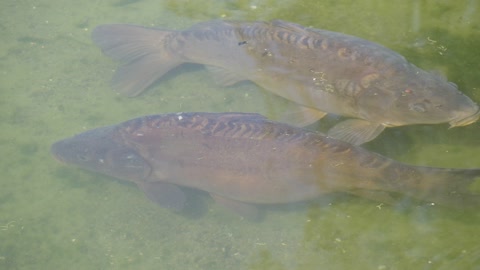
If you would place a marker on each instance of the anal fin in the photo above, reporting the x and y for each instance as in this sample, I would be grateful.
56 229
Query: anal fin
224 77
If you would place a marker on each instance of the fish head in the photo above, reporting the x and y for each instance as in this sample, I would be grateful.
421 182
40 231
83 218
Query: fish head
101 150
415 97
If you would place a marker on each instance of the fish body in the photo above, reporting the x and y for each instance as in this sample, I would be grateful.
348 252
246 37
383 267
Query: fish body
245 159
322 71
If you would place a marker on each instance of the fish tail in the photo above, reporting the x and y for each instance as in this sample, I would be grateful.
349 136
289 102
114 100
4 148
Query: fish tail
142 49
448 187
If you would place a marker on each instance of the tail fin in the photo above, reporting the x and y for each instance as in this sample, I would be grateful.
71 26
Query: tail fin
448 187
142 49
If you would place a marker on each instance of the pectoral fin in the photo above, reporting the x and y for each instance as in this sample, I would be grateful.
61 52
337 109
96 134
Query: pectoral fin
301 116
223 76
356 131
165 194
245 210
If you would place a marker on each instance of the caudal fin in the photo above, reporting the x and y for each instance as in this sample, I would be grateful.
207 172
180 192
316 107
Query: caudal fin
449 187
141 49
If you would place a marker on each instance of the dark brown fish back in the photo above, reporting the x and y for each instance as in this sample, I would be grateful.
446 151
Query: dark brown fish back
291 34
229 125
295 35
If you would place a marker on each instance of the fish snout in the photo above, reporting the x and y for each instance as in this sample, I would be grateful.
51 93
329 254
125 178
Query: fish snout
464 119
55 150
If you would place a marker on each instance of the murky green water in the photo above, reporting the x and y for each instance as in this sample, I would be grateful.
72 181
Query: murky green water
54 83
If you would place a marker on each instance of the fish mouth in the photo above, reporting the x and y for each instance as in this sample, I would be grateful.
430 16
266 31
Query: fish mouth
458 122
54 150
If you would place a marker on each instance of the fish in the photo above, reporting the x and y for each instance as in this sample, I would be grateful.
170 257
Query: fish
244 160
322 72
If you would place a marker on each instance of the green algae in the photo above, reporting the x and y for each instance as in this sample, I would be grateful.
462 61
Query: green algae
55 83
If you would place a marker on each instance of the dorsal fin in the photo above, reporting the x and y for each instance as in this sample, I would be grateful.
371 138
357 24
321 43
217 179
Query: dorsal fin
290 26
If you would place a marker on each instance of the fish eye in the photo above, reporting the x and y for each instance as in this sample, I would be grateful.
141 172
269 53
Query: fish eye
418 107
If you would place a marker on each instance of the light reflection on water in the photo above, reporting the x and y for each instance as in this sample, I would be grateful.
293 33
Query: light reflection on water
55 83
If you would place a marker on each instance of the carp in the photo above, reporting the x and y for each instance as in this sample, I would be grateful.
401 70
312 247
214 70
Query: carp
244 159
321 71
